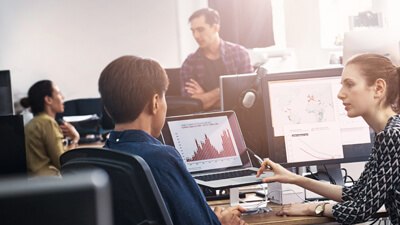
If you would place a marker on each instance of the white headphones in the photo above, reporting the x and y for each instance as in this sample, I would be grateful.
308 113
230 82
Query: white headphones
249 96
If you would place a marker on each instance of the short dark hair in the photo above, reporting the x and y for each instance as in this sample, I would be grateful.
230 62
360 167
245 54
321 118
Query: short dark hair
211 15
128 83
36 95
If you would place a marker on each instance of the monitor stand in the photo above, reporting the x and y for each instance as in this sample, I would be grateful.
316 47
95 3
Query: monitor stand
218 194
335 173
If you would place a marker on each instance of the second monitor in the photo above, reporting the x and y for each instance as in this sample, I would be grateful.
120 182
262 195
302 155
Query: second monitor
306 123
251 119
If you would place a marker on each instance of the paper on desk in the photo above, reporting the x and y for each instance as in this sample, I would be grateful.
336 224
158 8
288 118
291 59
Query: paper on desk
80 118
313 141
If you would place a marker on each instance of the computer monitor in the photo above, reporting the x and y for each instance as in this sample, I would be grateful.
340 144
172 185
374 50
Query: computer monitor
12 146
377 40
251 120
79 199
6 101
306 123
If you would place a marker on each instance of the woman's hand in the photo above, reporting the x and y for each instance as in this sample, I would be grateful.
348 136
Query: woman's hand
69 130
281 174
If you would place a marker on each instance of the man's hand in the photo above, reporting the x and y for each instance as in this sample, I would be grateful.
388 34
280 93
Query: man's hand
209 99
193 88
230 216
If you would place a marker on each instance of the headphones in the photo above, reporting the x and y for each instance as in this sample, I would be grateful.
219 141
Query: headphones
249 96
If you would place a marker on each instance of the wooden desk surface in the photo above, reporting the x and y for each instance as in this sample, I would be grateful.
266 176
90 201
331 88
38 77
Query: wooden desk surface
271 218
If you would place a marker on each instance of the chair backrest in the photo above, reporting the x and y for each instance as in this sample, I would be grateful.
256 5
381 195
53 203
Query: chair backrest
181 105
84 106
174 77
136 197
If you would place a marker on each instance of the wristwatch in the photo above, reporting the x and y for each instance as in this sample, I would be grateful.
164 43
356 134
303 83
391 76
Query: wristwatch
320 208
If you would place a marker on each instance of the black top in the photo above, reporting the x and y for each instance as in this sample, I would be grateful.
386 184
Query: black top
214 68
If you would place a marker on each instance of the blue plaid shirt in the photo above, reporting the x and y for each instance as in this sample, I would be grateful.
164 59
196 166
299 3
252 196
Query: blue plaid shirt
234 57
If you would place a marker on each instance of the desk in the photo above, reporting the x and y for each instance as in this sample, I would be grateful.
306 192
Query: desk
97 144
271 218
256 219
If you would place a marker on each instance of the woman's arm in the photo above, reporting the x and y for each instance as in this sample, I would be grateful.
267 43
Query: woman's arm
282 175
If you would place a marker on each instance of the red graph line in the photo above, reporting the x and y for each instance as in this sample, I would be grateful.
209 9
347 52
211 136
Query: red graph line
205 150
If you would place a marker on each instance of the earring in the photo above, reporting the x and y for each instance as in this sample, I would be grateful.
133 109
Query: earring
395 107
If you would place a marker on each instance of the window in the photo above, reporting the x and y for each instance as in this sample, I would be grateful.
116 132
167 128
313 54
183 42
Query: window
340 16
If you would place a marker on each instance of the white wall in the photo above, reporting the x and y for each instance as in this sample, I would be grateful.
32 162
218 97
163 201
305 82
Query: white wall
70 42
303 33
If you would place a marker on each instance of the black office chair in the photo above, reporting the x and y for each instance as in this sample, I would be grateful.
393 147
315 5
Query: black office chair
180 105
174 77
136 197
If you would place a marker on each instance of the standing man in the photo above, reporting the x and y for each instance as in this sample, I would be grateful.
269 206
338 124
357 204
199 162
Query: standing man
215 57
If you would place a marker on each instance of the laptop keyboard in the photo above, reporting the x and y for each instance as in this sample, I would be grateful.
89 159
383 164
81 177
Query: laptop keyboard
226 175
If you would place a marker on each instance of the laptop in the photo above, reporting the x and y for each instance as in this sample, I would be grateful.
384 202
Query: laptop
213 149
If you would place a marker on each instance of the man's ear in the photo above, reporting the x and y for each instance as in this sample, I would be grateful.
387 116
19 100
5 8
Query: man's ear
154 106
380 88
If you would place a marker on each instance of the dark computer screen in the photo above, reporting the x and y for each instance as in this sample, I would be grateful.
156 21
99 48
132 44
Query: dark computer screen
306 123
79 199
12 148
251 120
6 102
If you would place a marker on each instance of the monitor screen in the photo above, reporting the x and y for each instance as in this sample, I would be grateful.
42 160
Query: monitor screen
251 120
12 148
6 101
207 141
377 40
80 199
306 123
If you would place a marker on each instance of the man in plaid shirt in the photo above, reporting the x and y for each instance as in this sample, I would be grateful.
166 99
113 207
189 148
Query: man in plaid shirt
215 57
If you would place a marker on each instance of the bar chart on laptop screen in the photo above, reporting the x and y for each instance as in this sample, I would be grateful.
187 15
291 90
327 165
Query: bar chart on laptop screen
205 143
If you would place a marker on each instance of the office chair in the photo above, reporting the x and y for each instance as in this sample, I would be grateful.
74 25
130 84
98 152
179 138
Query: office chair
136 197
174 76
180 105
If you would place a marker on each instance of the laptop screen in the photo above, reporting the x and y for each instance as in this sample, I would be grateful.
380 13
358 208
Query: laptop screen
208 141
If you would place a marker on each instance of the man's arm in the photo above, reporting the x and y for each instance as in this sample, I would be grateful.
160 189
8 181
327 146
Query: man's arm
186 74
207 98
